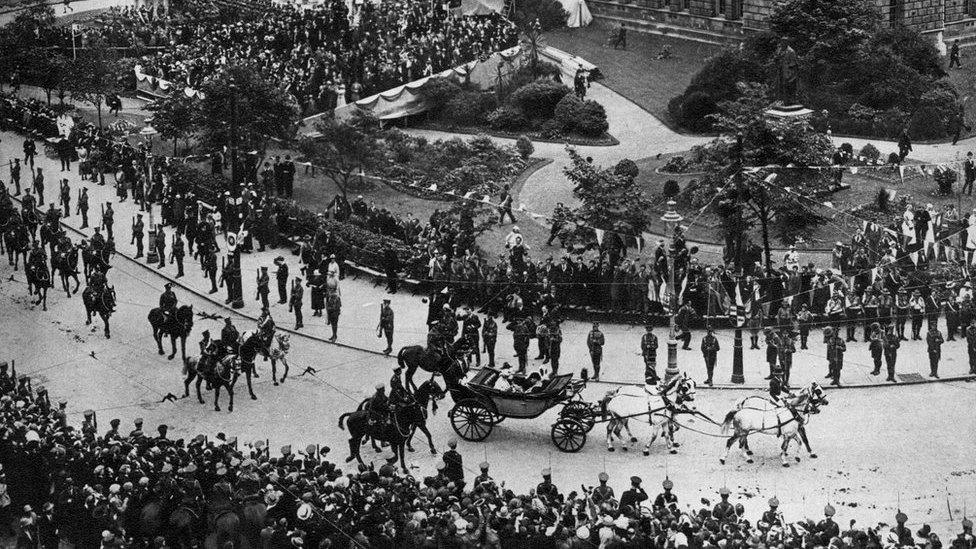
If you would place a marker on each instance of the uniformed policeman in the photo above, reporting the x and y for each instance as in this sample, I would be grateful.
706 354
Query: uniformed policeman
602 493
546 488
264 283
666 499
594 343
385 326
632 498
178 253
137 432
484 477
723 510
138 231
772 517
282 276
168 301
454 468
649 350
113 432
827 528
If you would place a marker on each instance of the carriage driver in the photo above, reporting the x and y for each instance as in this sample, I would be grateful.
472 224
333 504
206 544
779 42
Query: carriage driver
777 390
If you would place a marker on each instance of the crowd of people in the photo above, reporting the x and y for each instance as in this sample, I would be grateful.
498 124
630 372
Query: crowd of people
147 487
325 55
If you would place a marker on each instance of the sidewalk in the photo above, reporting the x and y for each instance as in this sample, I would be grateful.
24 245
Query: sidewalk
622 362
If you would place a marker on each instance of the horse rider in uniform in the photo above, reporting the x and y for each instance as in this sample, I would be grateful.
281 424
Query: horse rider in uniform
602 493
266 325
229 337
666 499
379 406
168 302
399 395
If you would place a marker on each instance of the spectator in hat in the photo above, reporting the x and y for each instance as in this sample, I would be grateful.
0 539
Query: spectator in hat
631 499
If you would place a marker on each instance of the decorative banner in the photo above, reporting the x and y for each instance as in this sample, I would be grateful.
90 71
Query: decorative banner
599 236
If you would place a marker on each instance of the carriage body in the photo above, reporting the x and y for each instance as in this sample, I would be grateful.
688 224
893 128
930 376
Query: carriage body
479 406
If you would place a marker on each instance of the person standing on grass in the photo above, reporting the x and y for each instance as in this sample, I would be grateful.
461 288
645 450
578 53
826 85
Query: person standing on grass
954 55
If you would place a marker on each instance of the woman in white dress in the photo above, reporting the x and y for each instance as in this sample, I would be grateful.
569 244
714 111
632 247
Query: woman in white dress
340 91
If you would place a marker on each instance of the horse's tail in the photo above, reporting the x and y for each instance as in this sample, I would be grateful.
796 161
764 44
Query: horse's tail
342 420
727 423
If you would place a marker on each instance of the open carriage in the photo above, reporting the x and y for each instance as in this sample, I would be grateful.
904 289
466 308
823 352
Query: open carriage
479 405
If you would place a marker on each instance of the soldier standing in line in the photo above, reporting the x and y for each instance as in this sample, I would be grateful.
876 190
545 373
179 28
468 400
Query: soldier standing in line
161 246
773 343
971 345
902 307
295 303
952 316
649 351
666 500
723 510
489 334
15 175
877 347
108 219
83 207
709 349
138 230
385 326
65 197
934 342
595 342
891 342
264 283
805 319
786 351
282 276
555 344
835 355
209 260
178 253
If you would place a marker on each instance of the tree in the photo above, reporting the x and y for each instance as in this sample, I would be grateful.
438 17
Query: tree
263 110
49 71
344 149
754 193
174 116
607 200
533 40
93 75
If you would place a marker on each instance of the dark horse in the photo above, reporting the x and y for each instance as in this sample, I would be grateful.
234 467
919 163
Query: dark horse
428 360
65 263
17 240
395 432
176 326
177 523
253 344
100 301
222 373
415 411
38 280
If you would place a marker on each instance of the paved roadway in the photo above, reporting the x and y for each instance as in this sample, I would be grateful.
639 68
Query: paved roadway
875 445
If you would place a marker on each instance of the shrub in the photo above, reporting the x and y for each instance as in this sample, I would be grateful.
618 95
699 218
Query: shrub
870 152
438 91
568 111
676 164
524 146
506 118
946 178
626 168
551 129
467 108
538 99
670 189
592 120
847 148
692 111
893 158
927 123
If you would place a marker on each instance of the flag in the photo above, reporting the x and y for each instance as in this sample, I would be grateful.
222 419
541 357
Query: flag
684 286
740 307
599 236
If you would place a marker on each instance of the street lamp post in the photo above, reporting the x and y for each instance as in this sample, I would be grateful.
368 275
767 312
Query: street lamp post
671 219
738 370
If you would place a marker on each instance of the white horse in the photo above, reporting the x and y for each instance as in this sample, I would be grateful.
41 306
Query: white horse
785 420
659 403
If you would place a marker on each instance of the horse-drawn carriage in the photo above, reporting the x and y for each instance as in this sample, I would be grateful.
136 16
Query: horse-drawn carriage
479 405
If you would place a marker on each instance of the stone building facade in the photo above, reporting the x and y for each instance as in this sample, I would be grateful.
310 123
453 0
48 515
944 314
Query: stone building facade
729 21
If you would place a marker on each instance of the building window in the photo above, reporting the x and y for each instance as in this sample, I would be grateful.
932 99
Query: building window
721 7
685 5
733 11
971 8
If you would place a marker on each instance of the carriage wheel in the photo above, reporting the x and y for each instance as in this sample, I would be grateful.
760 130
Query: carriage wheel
568 435
471 420
581 412
496 419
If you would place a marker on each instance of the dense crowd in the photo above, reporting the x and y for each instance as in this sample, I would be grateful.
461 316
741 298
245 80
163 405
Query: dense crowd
121 487
325 55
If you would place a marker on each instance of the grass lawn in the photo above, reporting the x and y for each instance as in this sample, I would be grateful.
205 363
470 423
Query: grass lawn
964 80
635 73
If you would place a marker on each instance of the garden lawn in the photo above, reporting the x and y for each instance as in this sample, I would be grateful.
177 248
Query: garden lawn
964 80
635 73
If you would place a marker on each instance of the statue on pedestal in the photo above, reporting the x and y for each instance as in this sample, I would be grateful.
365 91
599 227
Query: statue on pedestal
787 74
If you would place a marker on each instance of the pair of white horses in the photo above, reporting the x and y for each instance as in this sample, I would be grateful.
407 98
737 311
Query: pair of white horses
660 405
